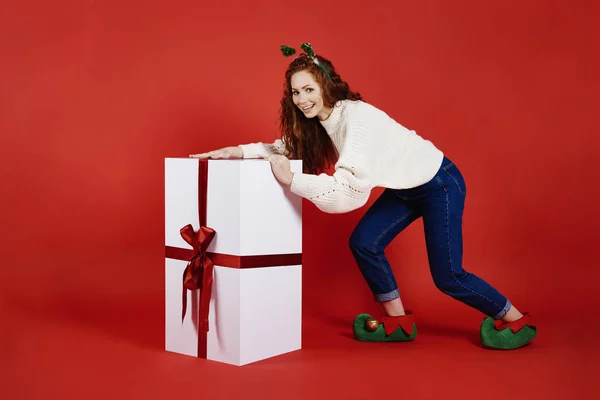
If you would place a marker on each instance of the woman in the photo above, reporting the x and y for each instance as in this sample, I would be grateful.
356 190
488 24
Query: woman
324 123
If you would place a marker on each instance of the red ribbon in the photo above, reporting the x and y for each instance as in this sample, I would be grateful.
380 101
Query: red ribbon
198 275
199 272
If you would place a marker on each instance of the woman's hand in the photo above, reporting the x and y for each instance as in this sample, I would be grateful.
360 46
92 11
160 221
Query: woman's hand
281 168
225 152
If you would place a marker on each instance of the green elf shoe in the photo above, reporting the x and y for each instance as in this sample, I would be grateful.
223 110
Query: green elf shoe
507 336
387 329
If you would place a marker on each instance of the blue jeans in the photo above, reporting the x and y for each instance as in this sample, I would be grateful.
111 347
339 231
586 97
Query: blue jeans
440 202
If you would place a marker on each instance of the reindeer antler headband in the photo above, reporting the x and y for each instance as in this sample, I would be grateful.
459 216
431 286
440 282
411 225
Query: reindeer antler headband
288 51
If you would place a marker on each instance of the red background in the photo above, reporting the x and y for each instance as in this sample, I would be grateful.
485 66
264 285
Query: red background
94 95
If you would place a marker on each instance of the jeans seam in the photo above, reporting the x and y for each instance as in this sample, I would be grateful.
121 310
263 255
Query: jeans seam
455 181
450 256
379 260
448 166
439 180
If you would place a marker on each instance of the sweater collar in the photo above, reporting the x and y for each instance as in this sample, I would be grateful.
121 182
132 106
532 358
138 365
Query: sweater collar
334 121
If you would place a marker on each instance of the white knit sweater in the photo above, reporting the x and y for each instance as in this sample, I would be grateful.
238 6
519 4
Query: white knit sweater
375 151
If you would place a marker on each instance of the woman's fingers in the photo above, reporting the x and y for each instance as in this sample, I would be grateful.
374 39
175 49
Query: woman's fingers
200 155
212 154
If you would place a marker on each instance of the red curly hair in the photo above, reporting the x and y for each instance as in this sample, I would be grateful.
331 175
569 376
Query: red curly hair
305 138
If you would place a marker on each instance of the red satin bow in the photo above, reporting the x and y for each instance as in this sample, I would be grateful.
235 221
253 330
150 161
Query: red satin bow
199 272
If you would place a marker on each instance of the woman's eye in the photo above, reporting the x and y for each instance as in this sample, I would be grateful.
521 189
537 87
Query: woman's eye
309 90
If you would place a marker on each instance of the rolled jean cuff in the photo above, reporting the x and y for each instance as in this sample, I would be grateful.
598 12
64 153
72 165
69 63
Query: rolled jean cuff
387 296
503 312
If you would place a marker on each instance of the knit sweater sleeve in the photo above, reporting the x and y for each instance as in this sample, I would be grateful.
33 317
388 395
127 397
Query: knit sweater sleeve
350 185
260 150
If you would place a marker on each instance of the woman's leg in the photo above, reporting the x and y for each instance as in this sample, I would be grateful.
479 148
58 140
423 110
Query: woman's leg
384 220
442 219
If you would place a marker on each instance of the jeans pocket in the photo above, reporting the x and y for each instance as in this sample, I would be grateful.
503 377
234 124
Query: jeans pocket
453 173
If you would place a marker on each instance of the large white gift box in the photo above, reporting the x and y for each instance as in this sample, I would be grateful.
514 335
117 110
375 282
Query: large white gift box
251 269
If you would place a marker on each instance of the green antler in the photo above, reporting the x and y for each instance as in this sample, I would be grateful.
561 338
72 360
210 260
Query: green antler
287 51
308 49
